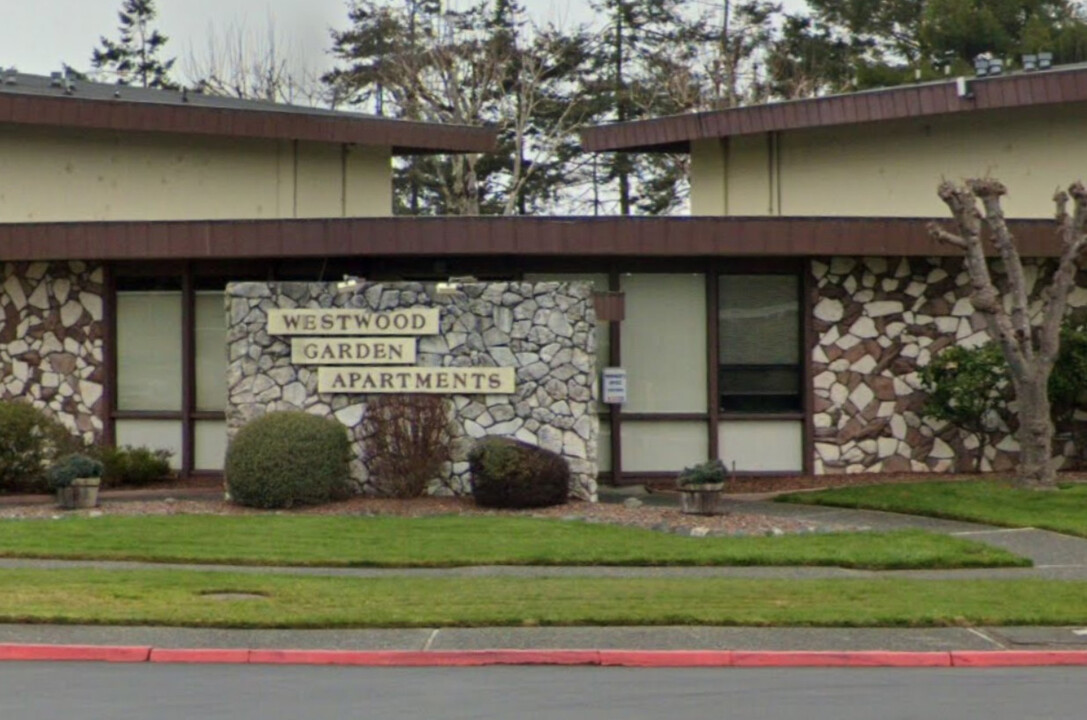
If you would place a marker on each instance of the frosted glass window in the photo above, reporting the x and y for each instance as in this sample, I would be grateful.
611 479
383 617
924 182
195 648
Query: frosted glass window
759 343
762 446
209 450
155 434
664 343
149 350
210 351
664 446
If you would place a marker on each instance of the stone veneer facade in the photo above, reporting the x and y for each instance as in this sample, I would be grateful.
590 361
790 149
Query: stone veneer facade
877 321
51 341
544 330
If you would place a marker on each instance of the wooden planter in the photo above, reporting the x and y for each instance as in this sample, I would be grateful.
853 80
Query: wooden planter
701 498
82 493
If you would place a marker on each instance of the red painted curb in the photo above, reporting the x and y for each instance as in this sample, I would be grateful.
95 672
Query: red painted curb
211 655
605 658
439 658
1017 658
858 658
99 653
666 658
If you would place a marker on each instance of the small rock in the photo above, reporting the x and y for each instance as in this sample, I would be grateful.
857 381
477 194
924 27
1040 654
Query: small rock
632 503
700 531
95 513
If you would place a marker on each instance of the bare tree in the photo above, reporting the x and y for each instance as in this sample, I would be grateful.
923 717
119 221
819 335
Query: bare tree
1030 350
242 63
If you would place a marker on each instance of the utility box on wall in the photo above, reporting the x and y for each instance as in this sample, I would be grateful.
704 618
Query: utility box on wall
516 359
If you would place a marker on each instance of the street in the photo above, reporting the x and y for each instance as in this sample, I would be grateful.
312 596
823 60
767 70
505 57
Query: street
91 691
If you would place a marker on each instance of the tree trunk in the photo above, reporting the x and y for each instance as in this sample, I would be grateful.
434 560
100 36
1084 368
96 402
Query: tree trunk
1037 467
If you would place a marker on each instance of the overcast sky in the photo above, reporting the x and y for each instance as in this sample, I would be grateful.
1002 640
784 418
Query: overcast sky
36 36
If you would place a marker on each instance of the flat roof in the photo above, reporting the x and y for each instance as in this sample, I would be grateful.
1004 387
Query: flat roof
582 237
36 100
1067 83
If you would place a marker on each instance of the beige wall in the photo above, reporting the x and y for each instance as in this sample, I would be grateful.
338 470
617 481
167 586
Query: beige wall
892 168
49 174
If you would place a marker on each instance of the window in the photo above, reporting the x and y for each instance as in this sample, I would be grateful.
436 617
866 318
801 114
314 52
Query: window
759 344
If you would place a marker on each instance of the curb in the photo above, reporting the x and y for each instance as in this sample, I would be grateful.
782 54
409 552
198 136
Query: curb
599 658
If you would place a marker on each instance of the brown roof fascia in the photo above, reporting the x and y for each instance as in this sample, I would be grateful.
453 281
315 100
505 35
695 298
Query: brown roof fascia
489 236
405 138
675 133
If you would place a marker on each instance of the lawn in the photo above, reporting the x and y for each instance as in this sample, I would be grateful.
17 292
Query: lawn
184 598
451 541
1064 510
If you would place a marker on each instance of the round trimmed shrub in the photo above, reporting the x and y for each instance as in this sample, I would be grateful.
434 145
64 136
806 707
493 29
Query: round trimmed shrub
508 473
30 441
288 458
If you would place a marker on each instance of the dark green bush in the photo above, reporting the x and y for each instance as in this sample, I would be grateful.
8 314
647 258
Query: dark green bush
288 458
132 466
71 467
30 440
508 473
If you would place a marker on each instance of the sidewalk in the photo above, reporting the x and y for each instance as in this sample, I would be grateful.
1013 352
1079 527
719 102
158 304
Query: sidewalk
1055 556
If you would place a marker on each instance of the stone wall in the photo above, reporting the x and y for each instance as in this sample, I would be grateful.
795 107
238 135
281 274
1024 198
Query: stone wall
544 330
51 341
877 321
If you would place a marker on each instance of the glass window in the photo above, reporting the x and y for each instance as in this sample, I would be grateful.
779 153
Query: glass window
664 343
210 351
759 343
149 350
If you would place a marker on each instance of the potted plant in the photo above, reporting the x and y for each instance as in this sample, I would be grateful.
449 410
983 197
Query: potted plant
700 488
76 479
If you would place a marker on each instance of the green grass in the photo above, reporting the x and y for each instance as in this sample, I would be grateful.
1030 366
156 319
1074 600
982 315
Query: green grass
450 541
180 598
1064 510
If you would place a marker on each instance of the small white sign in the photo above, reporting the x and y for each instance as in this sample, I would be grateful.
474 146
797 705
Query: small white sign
613 386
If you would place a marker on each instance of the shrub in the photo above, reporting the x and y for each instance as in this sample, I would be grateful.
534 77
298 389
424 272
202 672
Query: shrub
30 440
969 388
508 473
132 466
712 472
70 467
408 438
288 458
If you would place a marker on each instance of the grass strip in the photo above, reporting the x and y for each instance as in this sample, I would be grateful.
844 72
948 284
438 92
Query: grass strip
1063 510
452 541
184 598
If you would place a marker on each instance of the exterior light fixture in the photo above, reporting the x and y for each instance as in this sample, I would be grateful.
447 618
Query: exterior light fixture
349 283
453 285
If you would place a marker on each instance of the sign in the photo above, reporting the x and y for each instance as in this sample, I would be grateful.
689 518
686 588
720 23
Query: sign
352 351
613 382
413 321
460 381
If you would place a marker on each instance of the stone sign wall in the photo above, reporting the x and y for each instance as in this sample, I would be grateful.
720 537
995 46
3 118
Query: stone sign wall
516 360
877 322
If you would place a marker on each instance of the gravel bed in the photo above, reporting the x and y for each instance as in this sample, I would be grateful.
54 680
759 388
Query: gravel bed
663 519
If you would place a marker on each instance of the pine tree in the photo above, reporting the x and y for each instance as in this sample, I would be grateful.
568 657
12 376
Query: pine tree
481 65
134 58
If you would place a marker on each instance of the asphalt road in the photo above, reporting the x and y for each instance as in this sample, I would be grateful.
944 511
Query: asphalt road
90 691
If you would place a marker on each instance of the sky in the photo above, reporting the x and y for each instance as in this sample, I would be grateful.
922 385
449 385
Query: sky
37 36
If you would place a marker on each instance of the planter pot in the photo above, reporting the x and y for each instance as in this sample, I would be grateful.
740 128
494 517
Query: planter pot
82 493
701 499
